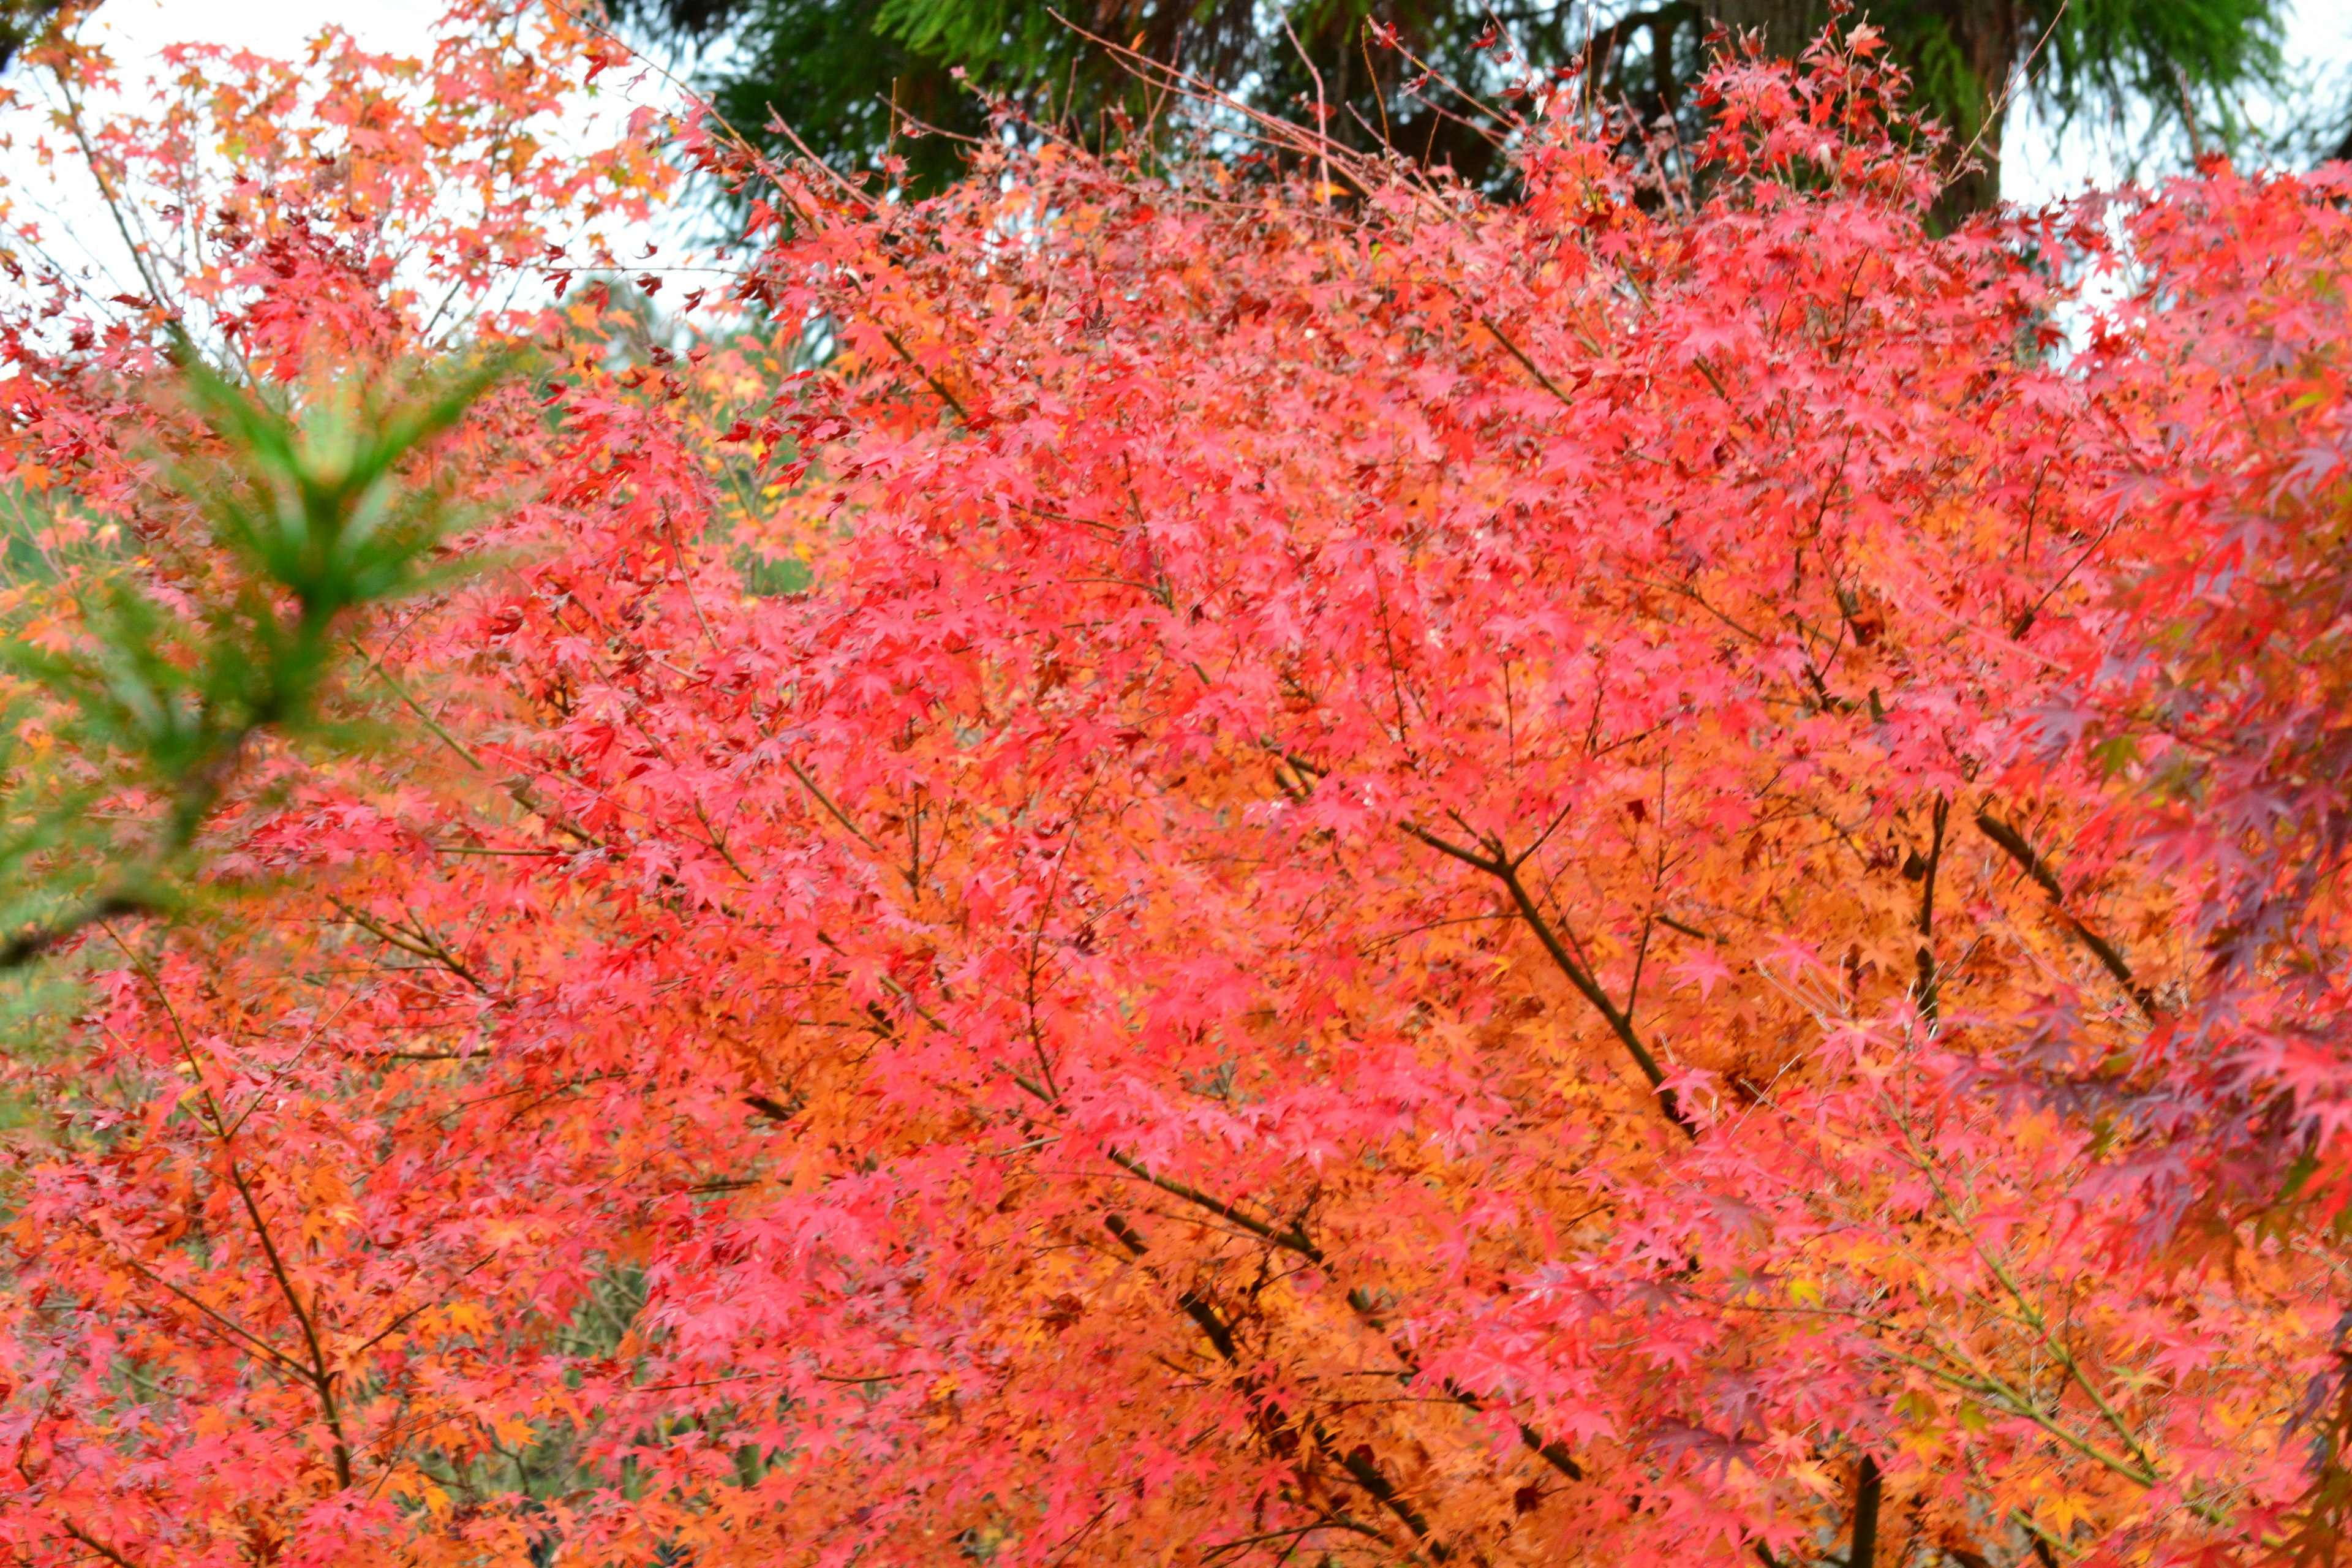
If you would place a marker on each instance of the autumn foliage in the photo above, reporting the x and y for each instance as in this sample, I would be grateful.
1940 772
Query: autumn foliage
1638 876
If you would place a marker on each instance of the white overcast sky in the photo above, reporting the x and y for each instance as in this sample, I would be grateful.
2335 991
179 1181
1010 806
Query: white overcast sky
73 227
2040 166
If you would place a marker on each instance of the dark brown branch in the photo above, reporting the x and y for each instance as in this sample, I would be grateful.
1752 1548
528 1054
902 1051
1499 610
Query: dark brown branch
519 790
236 1330
1198 1308
930 380
1926 955
823 800
405 1319
95 1544
1503 338
1293 1534
318 1374
1554 1454
1866 1488
776 1109
321 1377
1507 871
39 941
1689 930
1291 1240
414 943
2039 870
1489 864
1366 1473
1128 1237
1358 1462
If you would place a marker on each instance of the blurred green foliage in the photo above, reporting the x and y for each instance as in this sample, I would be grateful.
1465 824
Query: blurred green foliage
141 674
21 21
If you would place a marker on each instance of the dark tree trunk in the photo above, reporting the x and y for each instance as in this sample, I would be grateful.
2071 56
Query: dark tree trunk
1985 34
1864 1549
1988 34
1787 25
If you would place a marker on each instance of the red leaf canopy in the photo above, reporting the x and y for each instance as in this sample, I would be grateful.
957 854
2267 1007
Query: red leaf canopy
1591 880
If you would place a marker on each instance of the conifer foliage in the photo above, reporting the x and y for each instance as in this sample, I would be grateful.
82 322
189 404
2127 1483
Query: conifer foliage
1590 880
1419 76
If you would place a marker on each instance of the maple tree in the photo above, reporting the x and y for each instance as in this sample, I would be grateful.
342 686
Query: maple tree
1600 879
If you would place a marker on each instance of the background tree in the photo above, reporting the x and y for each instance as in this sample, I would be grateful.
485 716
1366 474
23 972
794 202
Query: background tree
20 22
845 73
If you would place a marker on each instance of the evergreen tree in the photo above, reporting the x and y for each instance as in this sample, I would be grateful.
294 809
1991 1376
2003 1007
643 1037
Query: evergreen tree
854 77
21 22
